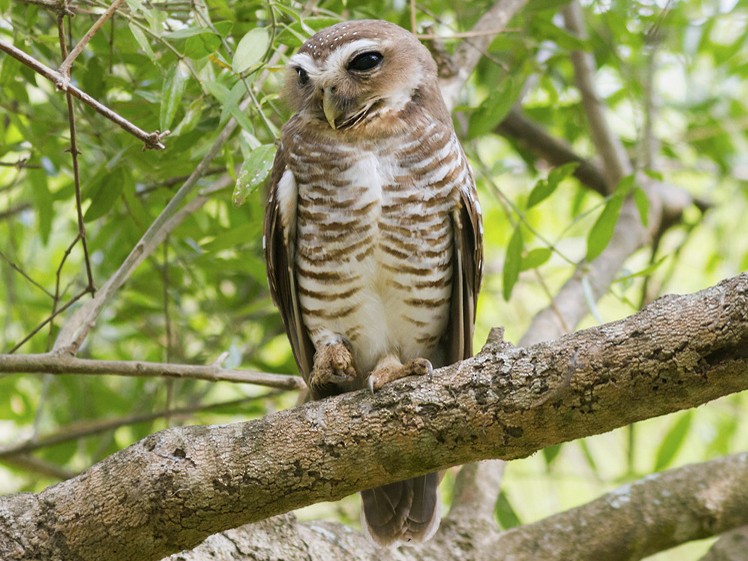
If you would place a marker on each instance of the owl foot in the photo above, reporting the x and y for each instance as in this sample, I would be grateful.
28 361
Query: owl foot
333 372
393 370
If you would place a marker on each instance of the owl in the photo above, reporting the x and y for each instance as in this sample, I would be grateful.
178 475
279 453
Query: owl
373 235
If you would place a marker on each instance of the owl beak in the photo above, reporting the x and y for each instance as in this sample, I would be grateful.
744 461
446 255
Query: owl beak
329 107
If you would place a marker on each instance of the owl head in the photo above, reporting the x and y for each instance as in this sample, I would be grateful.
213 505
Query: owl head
349 73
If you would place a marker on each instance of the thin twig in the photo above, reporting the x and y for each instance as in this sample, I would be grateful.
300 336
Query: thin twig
76 170
23 273
93 428
469 52
152 140
78 49
465 34
39 327
55 363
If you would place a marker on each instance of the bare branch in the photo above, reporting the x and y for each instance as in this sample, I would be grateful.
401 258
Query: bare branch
615 160
465 59
52 363
85 429
174 488
679 505
731 546
534 138
76 171
78 49
152 140
476 488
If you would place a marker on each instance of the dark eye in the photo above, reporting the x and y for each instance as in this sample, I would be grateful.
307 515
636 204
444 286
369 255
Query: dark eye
303 76
365 61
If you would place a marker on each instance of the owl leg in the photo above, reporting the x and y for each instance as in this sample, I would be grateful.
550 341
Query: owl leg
334 371
390 369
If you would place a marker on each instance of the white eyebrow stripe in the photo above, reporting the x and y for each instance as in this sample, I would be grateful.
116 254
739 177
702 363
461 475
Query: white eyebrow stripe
304 61
340 57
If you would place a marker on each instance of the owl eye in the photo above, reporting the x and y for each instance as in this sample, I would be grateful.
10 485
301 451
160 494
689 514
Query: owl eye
365 61
303 75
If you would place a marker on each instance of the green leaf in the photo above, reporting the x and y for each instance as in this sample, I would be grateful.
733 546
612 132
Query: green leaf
493 110
602 230
544 188
171 93
255 170
105 193
673 441
505 513
201 45
588 457
42 202
142 40
535 258
550 453
512 262
250 49
642 205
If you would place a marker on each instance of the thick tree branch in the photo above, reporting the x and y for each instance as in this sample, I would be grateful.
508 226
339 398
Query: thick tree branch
729 547
174 488
531 136
678 505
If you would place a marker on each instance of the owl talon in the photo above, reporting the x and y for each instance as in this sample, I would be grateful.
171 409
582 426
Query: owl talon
334 371
389 373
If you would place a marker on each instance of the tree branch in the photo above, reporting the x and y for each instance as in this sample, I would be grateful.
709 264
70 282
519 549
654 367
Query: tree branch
470 50
151 140
174 488
534 138
615 160
54 363
679 505
78 49
731 546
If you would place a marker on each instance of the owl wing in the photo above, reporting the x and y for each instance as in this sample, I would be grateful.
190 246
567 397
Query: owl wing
279 240
468 269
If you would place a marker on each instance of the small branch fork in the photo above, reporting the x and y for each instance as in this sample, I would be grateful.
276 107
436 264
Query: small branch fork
61 79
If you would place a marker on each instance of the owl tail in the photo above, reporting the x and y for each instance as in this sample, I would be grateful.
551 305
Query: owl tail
407 510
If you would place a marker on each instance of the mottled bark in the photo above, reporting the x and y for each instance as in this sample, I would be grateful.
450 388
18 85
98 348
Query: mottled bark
174 488
634 521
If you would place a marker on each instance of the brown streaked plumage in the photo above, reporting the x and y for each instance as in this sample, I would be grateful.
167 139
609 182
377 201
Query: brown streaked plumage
373 232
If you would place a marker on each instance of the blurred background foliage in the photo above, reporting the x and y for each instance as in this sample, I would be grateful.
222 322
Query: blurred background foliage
672 75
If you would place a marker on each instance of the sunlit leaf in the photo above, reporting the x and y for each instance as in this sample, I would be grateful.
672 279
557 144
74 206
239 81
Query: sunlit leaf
642 205
142 40
535 258
673 441
602 230
250 49
505 513
544 188
513 262
171 93
255 170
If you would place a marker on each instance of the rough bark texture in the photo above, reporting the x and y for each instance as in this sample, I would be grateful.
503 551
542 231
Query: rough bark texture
173 489
636 520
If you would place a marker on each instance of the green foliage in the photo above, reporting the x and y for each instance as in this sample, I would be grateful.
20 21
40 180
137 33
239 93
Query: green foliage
197 69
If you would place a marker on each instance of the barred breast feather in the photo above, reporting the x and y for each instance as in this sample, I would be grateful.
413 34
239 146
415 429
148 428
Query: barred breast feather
371 228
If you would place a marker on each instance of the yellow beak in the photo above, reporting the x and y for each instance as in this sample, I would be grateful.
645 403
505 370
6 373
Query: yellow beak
330 109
